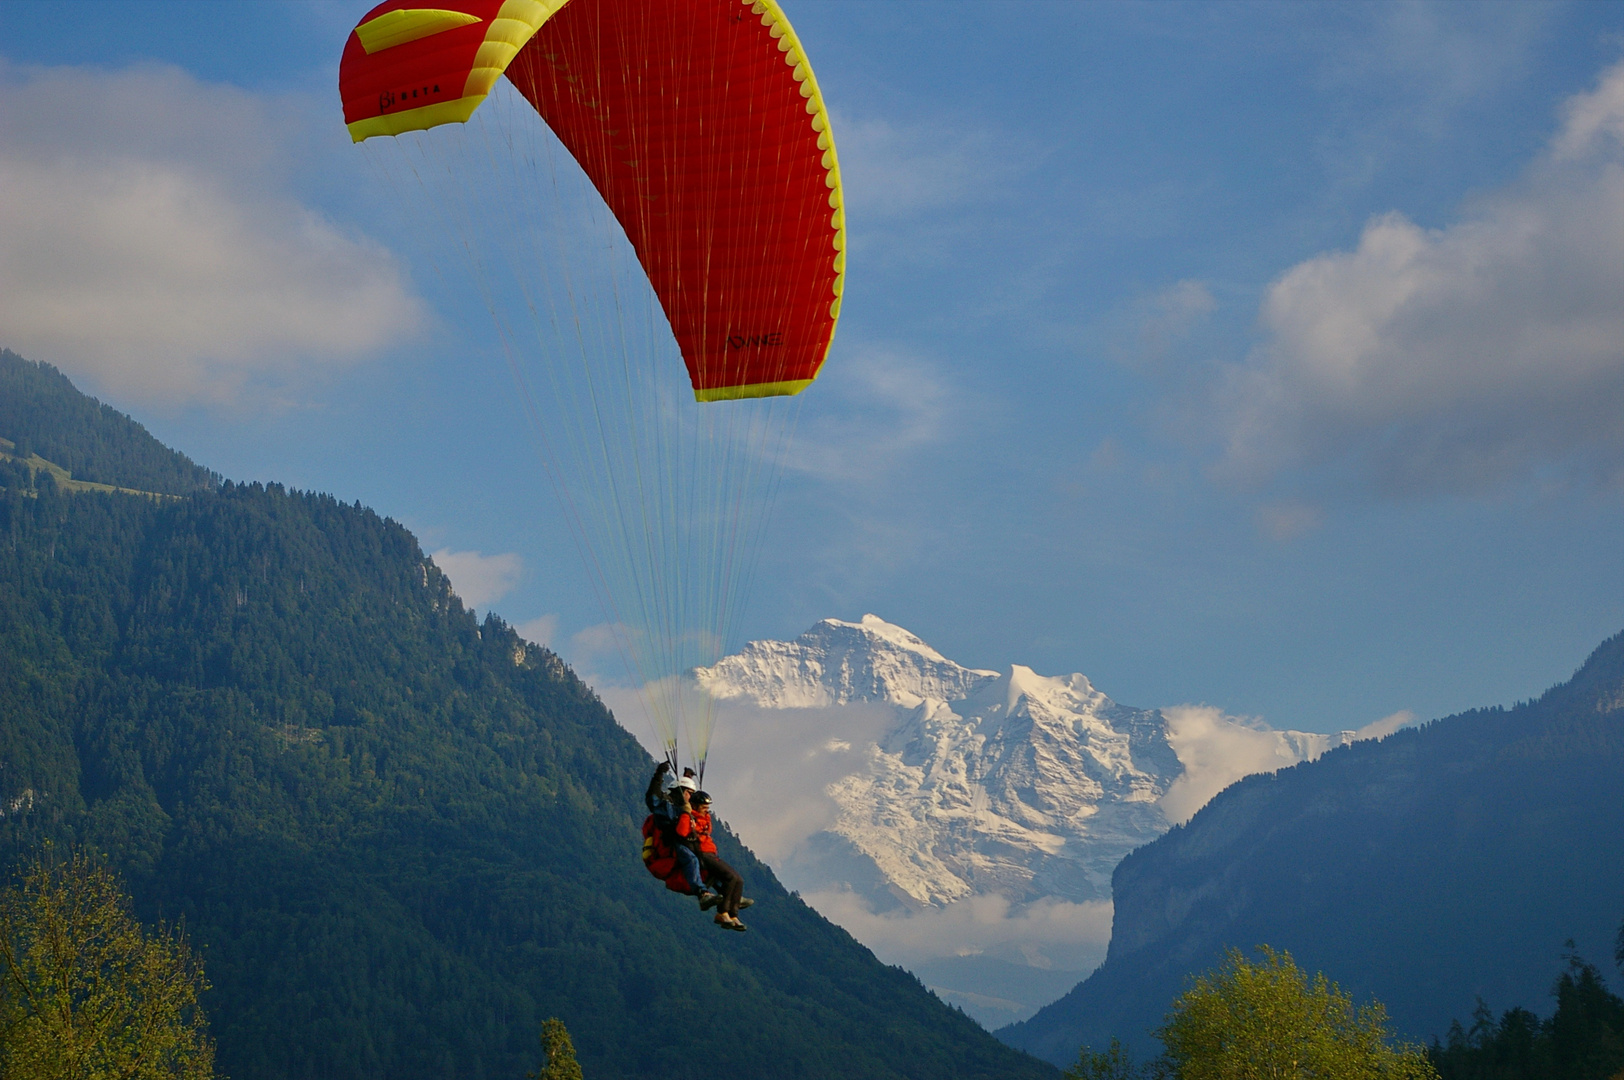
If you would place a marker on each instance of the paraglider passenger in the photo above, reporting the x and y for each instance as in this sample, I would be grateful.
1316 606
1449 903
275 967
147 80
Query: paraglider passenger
676 809
694 828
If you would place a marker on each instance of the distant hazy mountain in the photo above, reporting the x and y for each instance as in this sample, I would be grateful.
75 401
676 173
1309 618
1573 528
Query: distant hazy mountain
1440 865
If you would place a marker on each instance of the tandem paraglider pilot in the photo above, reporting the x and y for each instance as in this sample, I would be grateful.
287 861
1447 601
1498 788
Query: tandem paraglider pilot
679 850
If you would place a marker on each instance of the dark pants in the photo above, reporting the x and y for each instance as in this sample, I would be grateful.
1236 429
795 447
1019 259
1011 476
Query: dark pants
725 880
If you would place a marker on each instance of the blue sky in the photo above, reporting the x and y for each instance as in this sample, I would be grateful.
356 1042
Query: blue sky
1267 356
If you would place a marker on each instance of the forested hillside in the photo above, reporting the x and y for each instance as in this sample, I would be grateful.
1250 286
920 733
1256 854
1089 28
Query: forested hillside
42 413
401 839
1436 867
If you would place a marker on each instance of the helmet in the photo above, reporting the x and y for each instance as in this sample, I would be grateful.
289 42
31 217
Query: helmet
687 782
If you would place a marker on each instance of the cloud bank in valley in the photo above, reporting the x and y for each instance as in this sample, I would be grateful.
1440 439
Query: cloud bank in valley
1049 933
149 242
1456 359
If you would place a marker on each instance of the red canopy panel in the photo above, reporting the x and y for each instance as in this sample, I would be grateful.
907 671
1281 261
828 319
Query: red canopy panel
699 122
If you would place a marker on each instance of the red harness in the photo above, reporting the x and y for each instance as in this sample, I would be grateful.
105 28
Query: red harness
660 859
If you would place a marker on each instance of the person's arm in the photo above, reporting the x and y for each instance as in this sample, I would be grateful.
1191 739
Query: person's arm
654 785
685 820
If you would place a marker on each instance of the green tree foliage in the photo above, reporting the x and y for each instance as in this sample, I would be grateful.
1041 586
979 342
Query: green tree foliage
14 474
1582 1040
558 1053
1112 1063
1268 1021
42 412
87 993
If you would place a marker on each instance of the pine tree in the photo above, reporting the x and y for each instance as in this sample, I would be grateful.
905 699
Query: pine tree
558 1053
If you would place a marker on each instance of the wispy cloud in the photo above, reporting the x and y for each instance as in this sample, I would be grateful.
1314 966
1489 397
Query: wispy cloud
1380 729
541 630
1285 521
1460 359
480 580
883 407
1439 58
1217 749
898 170
148 241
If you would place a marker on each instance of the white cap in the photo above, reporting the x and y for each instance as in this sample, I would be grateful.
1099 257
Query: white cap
687 782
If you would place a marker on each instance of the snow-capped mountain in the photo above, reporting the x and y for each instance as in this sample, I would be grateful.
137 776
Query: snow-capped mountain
1009 783
837 663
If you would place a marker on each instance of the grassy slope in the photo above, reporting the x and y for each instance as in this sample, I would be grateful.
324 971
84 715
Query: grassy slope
94 442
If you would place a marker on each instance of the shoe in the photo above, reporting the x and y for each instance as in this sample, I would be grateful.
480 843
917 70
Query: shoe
723 920
745 902
707 900
737 925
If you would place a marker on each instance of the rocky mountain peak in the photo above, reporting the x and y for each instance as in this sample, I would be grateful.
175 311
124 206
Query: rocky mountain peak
839 663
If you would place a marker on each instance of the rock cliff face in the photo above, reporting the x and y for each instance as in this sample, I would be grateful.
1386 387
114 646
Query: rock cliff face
1440 865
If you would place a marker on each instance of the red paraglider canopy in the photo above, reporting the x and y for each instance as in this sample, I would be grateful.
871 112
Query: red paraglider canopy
700 123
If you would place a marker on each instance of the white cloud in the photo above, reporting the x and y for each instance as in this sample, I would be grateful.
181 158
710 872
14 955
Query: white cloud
480 580
1044 934
1149 329
878 409
893 171
1593 123
594 646
1380 729
539 631
148 241
1439 59
1288 520
1217 749
1458 359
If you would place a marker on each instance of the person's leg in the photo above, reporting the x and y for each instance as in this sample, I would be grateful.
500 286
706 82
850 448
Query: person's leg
728 883
688 862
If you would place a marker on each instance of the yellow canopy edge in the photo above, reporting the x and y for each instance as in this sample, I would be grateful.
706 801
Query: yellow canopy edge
772 16
755 390
445 112
408 24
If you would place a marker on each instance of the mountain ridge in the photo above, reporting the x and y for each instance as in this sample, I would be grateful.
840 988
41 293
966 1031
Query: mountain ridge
42 412
1440 864
401 836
